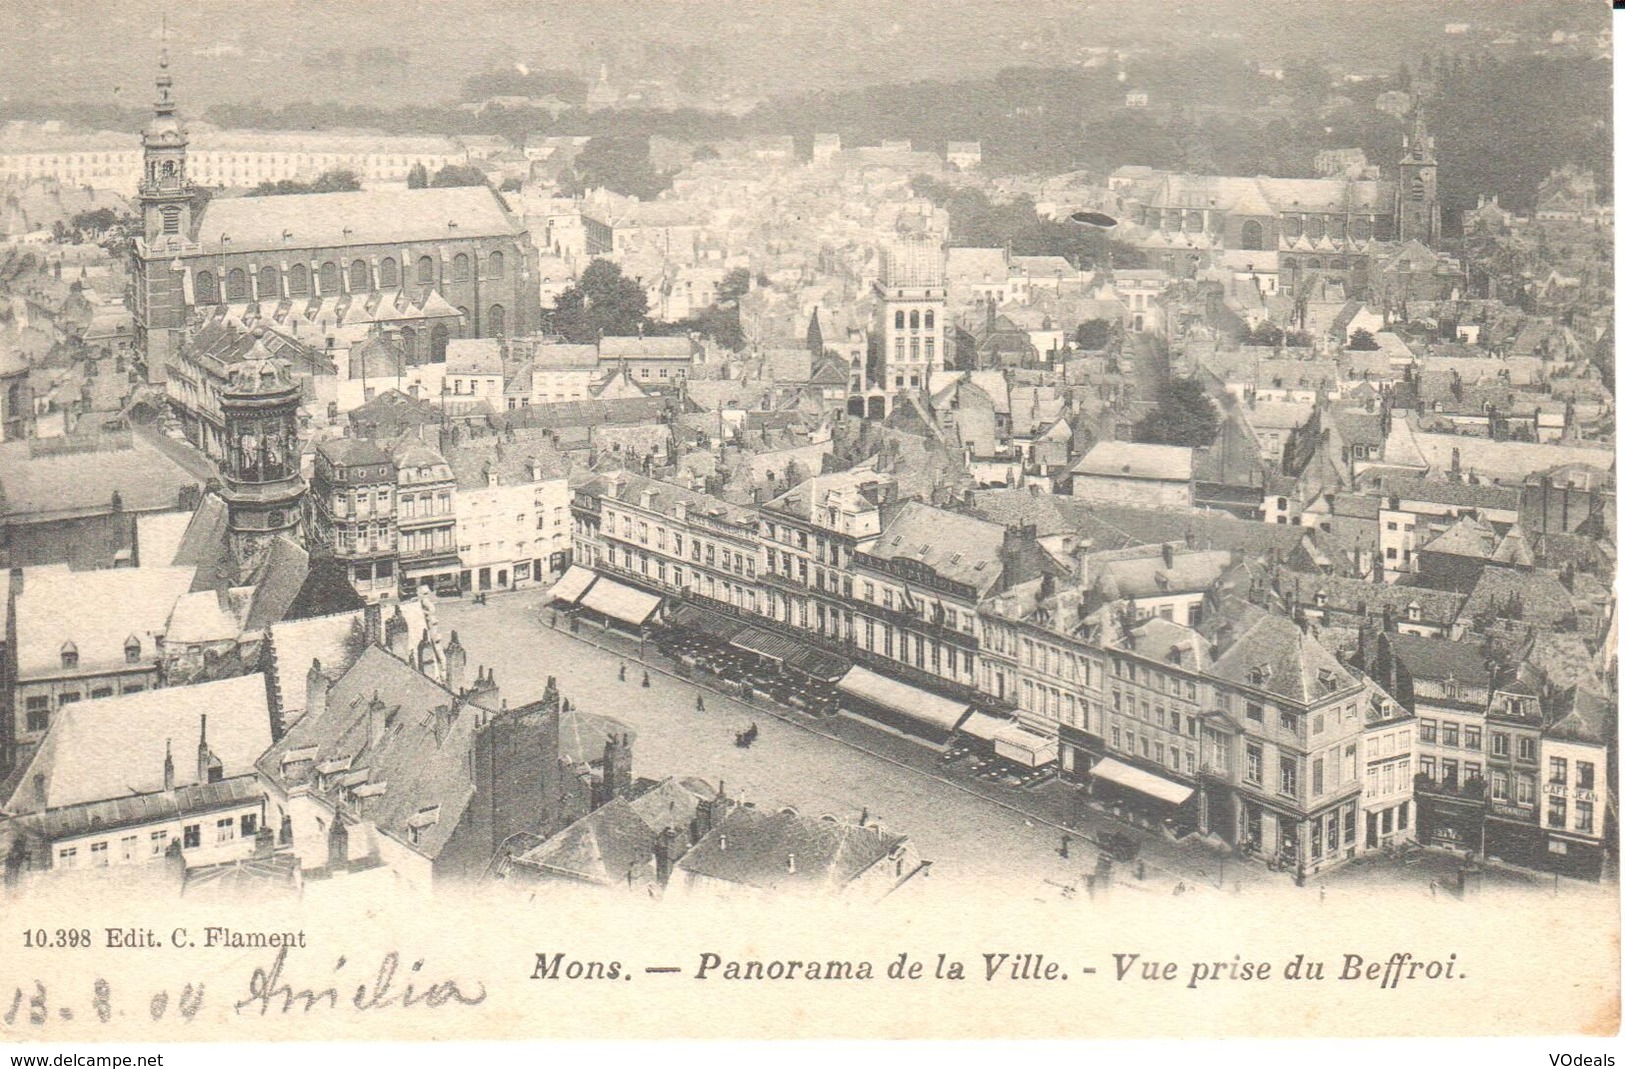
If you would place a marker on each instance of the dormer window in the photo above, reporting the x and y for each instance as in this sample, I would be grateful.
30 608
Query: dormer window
132 650
1321 598
1413 611
70 655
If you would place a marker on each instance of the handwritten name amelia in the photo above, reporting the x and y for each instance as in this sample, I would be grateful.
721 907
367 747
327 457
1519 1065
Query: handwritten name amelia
271 992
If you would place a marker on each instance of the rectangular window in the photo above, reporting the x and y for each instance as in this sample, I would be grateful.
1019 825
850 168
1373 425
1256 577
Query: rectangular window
1255 712
1526 748
1472 737
1289 776
1526 789
1557 813
1558 770
192 836
1452 734
1498 743
225 830
39 712
98 855
1318 776
1582 816
1429 730
1584 774
1255 763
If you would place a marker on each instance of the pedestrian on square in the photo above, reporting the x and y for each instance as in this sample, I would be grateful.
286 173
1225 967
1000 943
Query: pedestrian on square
645 677
1066 845
699 703
623 671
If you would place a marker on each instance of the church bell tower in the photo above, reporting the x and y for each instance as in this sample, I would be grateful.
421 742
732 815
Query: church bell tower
264 490
164 198
1419 185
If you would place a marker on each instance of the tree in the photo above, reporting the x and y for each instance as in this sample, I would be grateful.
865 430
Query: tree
1266 333
619 164
1184 415
336 181
417 177
453 175
734 285
1094 334
1362 340
602 303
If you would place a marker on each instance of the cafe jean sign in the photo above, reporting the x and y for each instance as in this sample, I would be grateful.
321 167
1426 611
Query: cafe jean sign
1561 790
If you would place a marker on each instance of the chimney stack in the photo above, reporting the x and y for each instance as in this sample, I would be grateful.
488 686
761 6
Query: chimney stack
315 691
203 749
169 772
1168 555
372 626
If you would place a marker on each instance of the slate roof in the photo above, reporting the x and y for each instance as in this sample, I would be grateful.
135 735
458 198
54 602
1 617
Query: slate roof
370 217
421 758
1136 460
1295 667
1441 658
828 855
42 480
113 747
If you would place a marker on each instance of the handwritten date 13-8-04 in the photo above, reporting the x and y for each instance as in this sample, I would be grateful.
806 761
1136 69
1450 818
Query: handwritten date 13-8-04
33 1006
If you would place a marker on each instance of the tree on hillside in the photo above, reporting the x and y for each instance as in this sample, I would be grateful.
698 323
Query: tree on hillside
602 303
1184 415
618 164
417 177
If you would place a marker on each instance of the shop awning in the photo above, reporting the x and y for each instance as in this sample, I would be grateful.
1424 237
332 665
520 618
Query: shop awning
622 602
1024 746
573 584
712 625
765 644
824 667
1137 779
984 727
941 713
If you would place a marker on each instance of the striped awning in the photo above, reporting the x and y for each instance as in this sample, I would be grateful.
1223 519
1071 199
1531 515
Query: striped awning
705 622
765 644
1138 779
824 667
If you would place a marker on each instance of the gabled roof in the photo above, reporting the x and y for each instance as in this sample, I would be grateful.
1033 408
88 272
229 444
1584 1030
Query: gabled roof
1441 658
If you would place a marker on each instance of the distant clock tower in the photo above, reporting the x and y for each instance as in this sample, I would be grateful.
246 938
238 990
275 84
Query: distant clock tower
164 197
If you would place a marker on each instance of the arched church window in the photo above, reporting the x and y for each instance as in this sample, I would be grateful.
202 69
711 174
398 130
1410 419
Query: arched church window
899 319
437 343
270 288
360 277
236 284
1252 234
329 278
459 267
494 265
1419 188
298 280
930 319
1314 227
498 320
205 288
426 270
389 275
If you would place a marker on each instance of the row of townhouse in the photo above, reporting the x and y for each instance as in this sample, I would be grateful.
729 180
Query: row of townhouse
1161 684
402 516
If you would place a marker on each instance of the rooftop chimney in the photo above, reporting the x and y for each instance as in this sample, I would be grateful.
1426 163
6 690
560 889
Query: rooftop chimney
1167 554
315 691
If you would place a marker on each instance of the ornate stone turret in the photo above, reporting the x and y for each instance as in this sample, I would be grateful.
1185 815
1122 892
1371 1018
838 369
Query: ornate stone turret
264 490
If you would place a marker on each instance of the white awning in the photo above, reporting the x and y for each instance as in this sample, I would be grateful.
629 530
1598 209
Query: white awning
1023 745
1137 779
573 584
982 726
939 712
620 601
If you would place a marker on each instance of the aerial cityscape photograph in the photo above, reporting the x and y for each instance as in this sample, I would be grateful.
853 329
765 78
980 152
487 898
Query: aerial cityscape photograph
721 452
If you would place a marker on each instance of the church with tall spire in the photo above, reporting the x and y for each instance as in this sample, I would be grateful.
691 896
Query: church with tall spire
306 275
